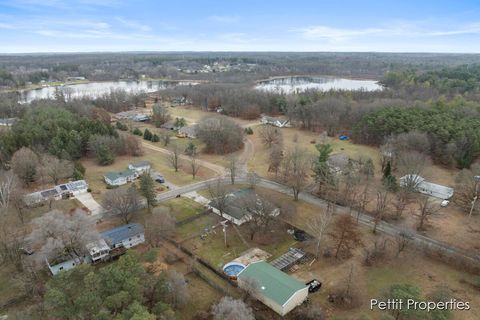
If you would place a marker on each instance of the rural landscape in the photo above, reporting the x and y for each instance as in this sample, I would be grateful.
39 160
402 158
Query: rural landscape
238 184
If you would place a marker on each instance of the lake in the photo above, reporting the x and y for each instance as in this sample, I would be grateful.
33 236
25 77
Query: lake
299 84
96 89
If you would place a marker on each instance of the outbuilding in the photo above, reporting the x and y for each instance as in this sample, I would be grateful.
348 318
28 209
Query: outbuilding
140 166
276 289
428 188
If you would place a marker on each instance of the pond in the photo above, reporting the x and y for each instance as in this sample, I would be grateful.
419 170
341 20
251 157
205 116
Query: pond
96 89
301 83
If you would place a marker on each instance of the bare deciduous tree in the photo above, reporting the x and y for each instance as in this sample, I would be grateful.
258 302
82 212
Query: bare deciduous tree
174 157
218 192
221 134
63 234
177 288
122 202
411 164
425 210
194 165
25 164
318 225
275 159
402 240
230 309
8 185
346 235
159 226
260 211
270 135
467 187
232 167
381 207
295 167
55 169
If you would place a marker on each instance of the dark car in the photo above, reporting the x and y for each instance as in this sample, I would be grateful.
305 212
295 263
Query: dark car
159 179
314 285
299 235
27 251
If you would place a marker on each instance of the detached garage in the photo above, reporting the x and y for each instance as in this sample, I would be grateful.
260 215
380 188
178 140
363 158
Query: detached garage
276 289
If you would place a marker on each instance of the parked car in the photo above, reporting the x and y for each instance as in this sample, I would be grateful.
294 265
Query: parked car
160 179
27 251
444 203
299 235
314 285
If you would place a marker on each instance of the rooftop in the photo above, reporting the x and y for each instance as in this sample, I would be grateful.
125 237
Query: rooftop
119 234
120 174
141 164
272 283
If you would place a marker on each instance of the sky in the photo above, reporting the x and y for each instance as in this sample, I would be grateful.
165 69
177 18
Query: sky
245 25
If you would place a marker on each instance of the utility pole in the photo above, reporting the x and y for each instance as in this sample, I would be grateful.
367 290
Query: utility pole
475 197
224 229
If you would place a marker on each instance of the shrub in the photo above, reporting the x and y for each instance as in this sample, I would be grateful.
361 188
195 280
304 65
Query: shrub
137 132
155 138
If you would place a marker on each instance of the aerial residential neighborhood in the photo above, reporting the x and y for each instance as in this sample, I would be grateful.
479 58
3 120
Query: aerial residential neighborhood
228 160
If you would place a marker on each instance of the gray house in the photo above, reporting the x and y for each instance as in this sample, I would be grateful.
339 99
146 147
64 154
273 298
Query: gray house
120 178
425 187
126 236
140 166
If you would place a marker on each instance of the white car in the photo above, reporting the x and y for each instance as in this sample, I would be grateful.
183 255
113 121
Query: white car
444 203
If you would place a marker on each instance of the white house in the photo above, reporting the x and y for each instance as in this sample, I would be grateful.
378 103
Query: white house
125 236
120 178
189 132
425 187
8 122
276 289
61 191
140 166
62 264
275 121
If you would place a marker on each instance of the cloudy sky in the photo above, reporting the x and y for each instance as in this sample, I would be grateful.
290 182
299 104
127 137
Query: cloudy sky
244 25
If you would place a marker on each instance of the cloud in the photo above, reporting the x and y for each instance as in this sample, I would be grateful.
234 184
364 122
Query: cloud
404 29
134 25
224 19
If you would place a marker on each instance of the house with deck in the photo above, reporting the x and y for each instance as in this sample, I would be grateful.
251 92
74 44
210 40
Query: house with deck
274 288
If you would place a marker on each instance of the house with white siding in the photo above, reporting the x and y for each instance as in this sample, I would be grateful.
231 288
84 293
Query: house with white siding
140 166
120 177
125 236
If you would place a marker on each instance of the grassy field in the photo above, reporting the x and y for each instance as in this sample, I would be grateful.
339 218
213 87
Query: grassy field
159 161
306 140
182 208
196 227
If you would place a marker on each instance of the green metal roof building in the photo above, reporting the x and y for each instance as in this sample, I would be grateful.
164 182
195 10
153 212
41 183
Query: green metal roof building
276 289
119 178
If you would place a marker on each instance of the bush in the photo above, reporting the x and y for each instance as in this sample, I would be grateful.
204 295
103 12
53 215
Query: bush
137 132
150 255
155 138
121 126
248 130
147 135
89 189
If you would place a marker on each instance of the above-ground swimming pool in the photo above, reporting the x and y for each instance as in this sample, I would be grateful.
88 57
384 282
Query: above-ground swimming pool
232 269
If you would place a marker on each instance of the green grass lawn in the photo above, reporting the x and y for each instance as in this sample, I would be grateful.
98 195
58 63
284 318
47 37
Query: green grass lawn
213 247
182 208
196 226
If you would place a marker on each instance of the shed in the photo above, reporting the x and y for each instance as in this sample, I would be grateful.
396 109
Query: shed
275 121
140 166
276 289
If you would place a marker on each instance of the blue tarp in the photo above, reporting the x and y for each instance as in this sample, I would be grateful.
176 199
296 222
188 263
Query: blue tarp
343 137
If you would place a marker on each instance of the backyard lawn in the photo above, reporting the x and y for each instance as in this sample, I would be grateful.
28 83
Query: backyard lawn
182 208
